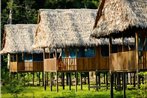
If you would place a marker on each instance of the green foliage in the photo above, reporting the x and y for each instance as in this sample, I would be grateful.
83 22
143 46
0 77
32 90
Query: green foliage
14 87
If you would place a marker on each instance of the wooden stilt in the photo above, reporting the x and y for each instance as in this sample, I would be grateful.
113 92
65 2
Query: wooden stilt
51 81
33 78
57 82
81 80
67 78
134 80
96 81
76 81
69 81
124 85
111 85
99 81
104 78
88 82
44 80
63 80
39 78
47 79
107 80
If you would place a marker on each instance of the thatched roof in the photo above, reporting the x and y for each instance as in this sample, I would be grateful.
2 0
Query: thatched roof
118 15
65 27
60 28
19 38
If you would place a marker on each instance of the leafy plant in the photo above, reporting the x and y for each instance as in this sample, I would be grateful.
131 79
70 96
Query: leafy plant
14 87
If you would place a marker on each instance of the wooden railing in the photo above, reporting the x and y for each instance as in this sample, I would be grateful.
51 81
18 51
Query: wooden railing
50 64
123 61
70 64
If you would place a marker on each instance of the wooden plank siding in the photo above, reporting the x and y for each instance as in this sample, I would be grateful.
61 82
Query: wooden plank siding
35 66
123 61
98 62
145 60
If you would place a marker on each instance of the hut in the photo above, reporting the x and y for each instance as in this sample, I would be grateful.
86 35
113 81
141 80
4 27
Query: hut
123 18
17 42
66 33
69 31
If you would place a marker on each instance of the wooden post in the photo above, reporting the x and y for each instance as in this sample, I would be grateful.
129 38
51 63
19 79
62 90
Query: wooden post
39 78
134 80
76 81
137 58
67 76
88 82
69 81
51 81
99 81
96 80
47 79
63 80
107 80
81 80
124 86
57 81
111 85
44 74
104 78
33 78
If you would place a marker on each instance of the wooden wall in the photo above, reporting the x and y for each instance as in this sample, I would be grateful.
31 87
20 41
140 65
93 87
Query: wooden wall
98 62
123 61
145 60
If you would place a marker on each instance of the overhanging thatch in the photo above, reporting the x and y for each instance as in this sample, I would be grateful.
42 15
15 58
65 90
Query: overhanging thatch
118 15
19 38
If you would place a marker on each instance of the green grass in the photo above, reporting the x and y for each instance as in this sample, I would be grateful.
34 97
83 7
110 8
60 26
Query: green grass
38 92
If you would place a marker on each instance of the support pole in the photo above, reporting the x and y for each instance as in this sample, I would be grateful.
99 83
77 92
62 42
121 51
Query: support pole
124 86
51 74
111 86
33 78
107 80
137 58
88 82
76 81
57 82
99 81
44 74
63 80
69 81
39 78
81 80
96 81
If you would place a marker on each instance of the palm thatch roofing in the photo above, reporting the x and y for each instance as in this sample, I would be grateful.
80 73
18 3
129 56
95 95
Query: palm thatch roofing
115 16
19 38
59 28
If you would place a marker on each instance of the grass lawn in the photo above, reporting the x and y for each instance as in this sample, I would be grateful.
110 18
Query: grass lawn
38 92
